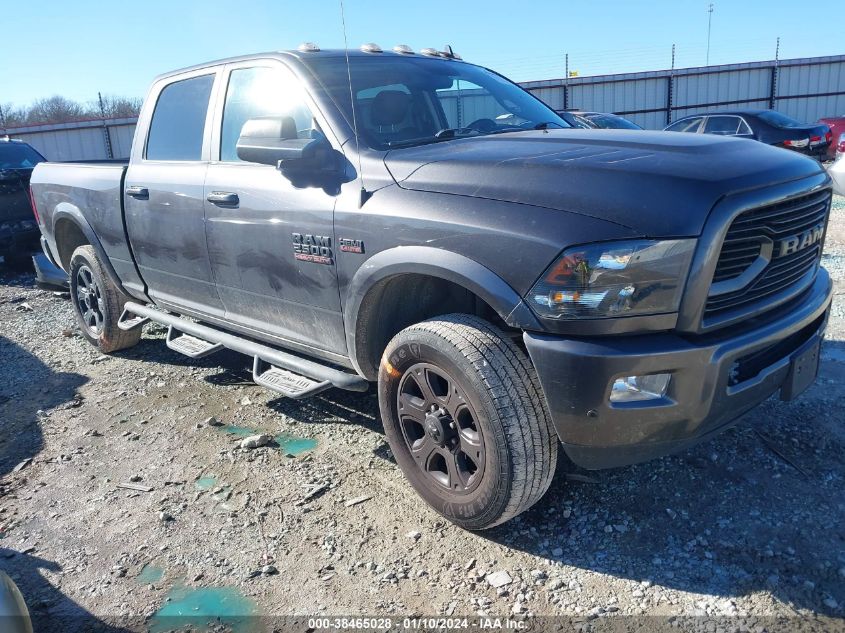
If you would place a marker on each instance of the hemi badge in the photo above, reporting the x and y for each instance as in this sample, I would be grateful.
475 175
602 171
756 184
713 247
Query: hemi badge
351 246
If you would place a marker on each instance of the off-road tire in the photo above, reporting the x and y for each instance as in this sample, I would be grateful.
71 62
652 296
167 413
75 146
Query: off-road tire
107 337
498 382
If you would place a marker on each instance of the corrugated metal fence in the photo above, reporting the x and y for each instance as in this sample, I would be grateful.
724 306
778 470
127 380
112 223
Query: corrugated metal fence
81 140
805 89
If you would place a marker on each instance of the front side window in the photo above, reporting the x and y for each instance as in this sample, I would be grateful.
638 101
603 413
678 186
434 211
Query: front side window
258 92
178 124
406 101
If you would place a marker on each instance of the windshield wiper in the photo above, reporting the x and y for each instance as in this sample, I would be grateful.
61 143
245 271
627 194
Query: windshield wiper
545 125
455 132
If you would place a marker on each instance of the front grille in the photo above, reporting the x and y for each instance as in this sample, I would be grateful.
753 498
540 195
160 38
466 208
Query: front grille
743 245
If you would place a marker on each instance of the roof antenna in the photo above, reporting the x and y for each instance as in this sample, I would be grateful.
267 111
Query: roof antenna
364 194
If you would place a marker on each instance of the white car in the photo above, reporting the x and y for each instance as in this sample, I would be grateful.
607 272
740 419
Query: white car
837 174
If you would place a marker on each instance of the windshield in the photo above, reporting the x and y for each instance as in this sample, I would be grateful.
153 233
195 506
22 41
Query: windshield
404 101
779 120
18 156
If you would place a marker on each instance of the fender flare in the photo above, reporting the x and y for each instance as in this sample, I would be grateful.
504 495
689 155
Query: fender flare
434 262
69 212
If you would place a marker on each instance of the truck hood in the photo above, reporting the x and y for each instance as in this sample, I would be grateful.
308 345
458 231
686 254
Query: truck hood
657 183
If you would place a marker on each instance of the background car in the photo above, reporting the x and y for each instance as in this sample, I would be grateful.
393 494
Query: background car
837 128
593 120
840 147
575 119
766 126
19 233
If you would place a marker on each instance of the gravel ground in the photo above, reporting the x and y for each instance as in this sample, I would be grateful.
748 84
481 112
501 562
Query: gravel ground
744 532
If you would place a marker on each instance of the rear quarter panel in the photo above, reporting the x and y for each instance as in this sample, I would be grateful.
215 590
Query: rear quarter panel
90 196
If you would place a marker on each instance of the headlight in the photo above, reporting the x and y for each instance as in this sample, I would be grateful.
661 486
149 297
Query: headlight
614 279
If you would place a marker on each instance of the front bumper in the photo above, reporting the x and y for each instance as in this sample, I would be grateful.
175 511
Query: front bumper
702 399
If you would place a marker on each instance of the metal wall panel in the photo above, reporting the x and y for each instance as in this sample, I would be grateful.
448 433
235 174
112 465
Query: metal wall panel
723 86
816 87
61 145
121 140
82 140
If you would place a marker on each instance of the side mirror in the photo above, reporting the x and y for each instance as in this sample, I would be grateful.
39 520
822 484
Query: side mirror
273 140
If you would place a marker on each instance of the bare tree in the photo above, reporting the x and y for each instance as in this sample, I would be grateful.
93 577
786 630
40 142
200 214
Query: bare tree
117 107
55 109
11 116
58 109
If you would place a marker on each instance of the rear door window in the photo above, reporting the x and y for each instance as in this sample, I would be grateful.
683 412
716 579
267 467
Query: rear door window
722 125
178 125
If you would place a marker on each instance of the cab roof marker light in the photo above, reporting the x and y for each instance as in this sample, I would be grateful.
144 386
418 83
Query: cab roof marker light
403 49
371 48
430 52
308 47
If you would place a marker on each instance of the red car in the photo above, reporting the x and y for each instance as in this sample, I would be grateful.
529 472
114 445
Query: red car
837 126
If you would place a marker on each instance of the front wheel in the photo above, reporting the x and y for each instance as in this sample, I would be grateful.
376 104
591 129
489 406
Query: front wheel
98 303
466 420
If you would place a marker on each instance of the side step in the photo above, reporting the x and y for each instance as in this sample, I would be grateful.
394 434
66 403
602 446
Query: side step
287 383
129 321
190 345
285 373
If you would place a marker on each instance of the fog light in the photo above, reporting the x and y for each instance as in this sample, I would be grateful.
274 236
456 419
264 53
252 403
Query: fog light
639 388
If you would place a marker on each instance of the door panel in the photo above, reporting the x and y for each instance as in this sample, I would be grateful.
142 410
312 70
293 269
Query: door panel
167 234
251 246
259 279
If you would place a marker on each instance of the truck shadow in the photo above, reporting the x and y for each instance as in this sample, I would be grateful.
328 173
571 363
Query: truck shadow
28 386
28 391
50 610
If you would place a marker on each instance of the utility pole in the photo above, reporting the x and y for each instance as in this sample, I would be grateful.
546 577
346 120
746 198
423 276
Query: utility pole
709 22
670 89
773 85
566 85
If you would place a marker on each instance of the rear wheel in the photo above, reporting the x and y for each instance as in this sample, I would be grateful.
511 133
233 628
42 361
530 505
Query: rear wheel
98 303
466 419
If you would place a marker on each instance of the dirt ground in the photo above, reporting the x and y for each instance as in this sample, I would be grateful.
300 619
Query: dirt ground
744 532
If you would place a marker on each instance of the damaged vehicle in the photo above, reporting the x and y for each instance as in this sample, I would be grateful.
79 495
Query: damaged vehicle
511 284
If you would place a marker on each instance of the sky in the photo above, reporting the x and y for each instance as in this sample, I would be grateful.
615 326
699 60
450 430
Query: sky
76 48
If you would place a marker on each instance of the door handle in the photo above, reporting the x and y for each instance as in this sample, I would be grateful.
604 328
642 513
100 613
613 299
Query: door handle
138 192
223 198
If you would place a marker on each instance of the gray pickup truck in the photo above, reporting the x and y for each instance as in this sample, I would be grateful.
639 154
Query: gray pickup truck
512 284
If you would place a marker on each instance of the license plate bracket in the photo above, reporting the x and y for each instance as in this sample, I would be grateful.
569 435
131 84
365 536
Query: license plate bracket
803 369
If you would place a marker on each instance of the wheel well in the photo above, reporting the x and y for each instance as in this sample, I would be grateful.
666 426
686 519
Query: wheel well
69 237
402 300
